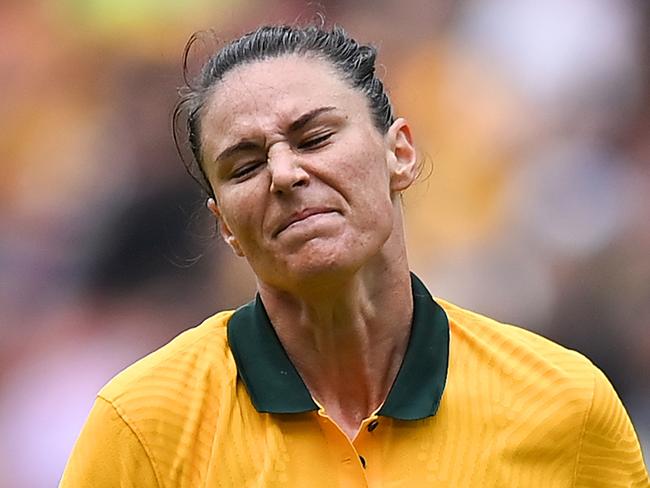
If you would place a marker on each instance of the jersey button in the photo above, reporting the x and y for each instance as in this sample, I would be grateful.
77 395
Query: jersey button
363 461
373 425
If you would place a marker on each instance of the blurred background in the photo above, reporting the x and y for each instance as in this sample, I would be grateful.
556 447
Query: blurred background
532 118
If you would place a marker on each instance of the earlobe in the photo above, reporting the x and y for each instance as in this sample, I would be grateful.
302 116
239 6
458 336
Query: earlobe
213 208
402 157
225 231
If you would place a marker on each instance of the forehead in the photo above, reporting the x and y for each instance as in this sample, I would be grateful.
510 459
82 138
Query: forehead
264 96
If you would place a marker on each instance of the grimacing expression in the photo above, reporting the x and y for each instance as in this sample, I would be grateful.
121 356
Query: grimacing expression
304 182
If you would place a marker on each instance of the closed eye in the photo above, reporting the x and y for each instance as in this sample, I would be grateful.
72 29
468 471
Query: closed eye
246 169
314 142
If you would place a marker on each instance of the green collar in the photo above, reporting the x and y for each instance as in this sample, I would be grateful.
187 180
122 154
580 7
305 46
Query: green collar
275 386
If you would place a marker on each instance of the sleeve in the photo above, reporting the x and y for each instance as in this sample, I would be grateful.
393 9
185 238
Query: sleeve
108 453
610 455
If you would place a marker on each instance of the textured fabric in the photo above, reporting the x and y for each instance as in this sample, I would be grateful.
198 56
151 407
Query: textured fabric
517 411
275 386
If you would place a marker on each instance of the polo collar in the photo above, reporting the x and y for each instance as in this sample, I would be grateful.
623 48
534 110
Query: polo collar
275 386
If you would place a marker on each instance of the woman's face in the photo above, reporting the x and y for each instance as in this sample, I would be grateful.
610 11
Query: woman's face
305 184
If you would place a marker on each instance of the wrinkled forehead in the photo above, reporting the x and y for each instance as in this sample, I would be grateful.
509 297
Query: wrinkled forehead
265 95
286 82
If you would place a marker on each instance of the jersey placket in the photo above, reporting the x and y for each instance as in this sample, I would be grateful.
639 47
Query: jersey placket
357 459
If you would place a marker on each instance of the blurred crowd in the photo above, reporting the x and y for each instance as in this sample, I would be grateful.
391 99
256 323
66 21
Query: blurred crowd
532 121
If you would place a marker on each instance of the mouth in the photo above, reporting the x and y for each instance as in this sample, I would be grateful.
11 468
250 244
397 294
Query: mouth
300 216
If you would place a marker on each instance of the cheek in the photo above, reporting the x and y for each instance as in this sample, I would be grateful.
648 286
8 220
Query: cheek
366 187
238 212
369 178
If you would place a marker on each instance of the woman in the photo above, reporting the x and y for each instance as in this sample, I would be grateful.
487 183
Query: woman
343 371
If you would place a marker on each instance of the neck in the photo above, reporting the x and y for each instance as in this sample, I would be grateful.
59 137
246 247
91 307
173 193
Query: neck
348 340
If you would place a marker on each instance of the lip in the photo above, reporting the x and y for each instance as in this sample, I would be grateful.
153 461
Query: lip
301 215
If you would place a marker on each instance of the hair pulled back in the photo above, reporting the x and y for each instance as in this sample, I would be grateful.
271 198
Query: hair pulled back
353 61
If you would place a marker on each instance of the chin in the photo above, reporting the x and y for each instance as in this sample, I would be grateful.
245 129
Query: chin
328 263
319 264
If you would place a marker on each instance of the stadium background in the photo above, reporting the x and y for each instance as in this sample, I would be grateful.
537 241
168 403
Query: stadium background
533 117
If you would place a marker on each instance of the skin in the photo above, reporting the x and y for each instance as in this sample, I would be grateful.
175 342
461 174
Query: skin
307 190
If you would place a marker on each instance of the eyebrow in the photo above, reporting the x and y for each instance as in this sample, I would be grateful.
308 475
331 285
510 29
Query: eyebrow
304 119
241 146
249 145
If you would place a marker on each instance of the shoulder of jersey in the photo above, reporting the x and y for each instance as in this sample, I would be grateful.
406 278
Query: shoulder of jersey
516 347
189 358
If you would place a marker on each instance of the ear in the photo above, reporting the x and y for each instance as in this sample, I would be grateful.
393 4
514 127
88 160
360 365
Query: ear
225 231
402 157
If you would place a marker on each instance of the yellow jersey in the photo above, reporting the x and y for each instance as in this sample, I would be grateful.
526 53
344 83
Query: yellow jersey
476 403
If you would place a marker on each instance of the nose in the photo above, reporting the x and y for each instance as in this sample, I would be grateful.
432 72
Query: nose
287 172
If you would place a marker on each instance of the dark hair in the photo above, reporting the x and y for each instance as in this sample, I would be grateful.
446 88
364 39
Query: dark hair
353 61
